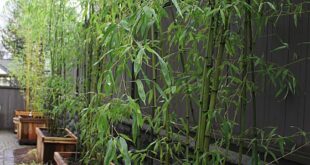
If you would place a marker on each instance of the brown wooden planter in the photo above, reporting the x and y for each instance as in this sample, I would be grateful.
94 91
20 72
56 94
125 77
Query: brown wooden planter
47 145
23 113
61 158
26 133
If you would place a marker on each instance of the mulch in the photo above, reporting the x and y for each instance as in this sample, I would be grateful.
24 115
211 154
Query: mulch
25 155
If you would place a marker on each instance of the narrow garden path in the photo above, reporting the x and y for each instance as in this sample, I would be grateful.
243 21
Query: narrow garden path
9 144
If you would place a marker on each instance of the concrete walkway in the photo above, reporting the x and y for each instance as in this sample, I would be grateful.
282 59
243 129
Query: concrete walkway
8 143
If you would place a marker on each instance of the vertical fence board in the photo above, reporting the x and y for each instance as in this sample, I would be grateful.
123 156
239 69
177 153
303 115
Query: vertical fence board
10 100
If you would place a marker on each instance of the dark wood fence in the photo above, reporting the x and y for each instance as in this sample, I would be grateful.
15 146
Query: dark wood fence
293 112
10 100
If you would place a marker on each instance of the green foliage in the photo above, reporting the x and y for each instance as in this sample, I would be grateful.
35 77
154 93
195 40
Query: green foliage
99 130
108 62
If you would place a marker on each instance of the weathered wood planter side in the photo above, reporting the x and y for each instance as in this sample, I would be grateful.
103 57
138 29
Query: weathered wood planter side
18 114
61 157
26 132
46 146
23 113
16 124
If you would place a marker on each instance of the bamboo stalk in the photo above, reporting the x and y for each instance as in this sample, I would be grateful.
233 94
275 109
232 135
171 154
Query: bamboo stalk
154 80
205 96
27 81
247 51
187 106
244 86
243 103
90 55
254 117
215 81
166 115
50 34
188 100
154 77
63 62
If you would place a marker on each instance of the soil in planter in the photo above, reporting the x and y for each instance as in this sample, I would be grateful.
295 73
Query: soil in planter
58 133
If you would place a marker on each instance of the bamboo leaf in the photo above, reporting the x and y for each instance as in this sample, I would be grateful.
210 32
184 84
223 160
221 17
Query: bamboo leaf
150 97
176 4
149 12
281 142
125 137
280 48
163 65
161 92
124 150
237 11
110 153
141 91
261 5
103 57
271 6
138 61
137 118
223 17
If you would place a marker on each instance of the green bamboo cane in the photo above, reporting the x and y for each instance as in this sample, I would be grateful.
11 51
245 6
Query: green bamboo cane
254 117
54 52
85 67
63 61
166 115
154 80
205 88
243 104
188 100
50 34
154 77
89 55
187 106
216 78
247 51
167 122
27 80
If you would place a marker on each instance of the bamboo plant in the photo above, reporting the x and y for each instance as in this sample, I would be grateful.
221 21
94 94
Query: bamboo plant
131 61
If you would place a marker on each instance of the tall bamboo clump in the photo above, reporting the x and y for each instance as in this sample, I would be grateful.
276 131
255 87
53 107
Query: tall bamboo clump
47 48
30 63
134 61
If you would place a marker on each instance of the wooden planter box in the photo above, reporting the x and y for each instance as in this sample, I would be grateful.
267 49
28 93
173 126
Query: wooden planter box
23 113
47 145
61 158
26 133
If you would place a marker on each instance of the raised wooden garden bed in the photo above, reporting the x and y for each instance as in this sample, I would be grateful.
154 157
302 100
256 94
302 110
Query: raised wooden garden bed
26 133
48 144
25 124
23 113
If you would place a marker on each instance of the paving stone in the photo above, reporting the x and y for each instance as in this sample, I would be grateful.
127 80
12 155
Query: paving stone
8 143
